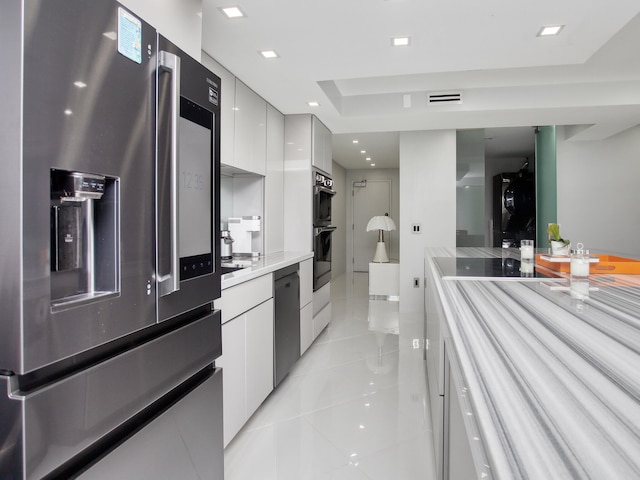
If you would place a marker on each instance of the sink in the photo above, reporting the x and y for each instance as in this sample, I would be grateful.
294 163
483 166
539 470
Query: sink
228 267
224 269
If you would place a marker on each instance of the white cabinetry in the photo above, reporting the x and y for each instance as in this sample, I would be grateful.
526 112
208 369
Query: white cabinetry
274 183
458 457
233 363
247 350
259 355
307 143
321 309
321 140
250 133
306 306
227 107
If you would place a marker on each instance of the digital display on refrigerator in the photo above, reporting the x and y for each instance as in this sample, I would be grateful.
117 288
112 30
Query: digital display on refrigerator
194 190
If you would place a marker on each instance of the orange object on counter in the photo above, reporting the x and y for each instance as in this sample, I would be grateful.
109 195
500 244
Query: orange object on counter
606 264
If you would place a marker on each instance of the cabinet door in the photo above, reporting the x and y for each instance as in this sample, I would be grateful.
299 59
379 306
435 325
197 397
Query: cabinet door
321 320
321 146
306 327
227 110
233 363
259 326
250 133
306 281
274 183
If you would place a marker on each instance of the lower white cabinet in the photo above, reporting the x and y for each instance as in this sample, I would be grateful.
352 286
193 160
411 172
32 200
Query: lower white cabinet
259 355
306 307
321 320
457 458
306 327
247 365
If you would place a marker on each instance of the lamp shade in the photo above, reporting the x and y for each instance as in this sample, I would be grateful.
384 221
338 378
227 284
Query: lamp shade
381 222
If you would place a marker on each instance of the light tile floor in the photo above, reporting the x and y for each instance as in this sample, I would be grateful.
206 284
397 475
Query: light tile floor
354 407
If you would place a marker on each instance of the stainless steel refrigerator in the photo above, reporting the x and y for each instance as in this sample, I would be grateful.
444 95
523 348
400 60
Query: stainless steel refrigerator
110 222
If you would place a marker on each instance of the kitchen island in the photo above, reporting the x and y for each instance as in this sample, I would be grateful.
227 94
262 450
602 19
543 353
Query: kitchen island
526 381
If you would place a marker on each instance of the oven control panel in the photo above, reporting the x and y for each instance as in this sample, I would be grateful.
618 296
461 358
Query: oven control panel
323 181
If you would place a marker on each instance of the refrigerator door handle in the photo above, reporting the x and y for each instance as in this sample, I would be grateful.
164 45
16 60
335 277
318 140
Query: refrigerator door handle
170 63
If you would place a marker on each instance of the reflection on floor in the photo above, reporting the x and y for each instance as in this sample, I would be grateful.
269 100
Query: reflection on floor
354 407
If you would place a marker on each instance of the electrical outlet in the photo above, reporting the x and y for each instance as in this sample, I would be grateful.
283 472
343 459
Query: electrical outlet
416 228
416 282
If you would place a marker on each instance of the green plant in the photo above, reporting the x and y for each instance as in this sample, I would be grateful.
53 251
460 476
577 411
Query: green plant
554 233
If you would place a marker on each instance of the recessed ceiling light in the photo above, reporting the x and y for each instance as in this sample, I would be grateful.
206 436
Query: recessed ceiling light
232 12
372 164
355 141
368 159
363 151
550 30
68 112
400 41
269 53
80 84
313 104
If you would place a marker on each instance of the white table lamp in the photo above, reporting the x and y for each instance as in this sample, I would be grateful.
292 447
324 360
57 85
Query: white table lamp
381 223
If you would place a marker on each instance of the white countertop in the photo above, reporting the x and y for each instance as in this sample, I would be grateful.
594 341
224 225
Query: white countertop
554 382
261 266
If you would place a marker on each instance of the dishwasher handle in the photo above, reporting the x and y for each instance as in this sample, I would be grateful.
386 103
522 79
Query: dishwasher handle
283 272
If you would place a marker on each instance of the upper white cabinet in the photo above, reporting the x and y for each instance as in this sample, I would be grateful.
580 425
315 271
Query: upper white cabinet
250 131
227 107
307 145
227 114
321 145
274 183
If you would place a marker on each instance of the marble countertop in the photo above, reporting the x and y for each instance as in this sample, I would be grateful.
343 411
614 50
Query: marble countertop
553 382
263 265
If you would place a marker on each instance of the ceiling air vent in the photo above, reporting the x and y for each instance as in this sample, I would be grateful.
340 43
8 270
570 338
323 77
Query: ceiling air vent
444 98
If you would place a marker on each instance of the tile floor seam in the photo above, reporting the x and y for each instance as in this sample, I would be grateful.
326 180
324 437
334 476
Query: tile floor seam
337 447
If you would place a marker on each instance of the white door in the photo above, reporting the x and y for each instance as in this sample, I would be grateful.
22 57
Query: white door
370 198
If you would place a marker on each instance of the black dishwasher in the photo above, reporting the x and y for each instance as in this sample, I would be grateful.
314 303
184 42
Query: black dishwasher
286 286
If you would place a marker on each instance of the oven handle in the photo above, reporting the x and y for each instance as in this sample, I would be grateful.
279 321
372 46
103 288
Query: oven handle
318 230
318 189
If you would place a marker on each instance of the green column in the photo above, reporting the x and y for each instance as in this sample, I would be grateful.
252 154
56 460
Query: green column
546 183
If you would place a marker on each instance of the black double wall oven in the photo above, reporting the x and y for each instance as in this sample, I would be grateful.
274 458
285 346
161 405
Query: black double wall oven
322 228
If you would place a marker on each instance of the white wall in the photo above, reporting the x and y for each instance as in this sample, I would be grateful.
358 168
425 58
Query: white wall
248 200
428 197
391 238
177 20
598 193
339 219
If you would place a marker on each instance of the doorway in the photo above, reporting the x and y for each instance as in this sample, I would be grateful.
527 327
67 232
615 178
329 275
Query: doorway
370 198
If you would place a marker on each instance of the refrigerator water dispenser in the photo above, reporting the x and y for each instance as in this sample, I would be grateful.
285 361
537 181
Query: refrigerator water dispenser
84 237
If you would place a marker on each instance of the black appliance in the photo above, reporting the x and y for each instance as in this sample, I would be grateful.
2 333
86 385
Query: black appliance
322 195
286 351
514 208
460 267
322 256
108 335
322 229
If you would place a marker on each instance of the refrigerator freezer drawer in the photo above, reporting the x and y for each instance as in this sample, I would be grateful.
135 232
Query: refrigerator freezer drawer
62 419
185 442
